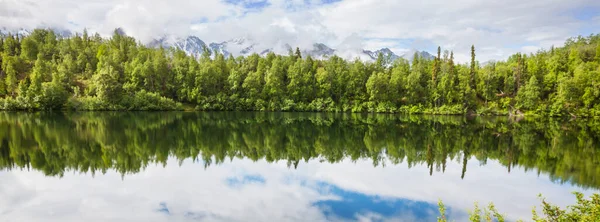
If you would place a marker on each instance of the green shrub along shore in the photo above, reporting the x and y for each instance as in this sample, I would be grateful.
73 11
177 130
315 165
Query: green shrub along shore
43 71
585 210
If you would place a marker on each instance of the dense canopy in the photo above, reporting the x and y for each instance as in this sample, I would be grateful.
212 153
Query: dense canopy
83 72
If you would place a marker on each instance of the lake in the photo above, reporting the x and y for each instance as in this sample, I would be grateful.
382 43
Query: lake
256 166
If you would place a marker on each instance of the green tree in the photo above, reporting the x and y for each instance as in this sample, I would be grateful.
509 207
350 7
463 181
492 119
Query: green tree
529 95
378 87
399 74
472 72
274 80
10 70
29 49
41 68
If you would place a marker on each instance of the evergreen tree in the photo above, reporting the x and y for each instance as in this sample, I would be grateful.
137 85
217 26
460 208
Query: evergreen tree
298 54
472 72
598 53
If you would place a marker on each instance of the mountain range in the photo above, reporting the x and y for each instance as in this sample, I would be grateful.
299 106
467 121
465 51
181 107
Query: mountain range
194 46
245 46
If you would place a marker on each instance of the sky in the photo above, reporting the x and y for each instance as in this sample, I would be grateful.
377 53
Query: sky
498 28
243 190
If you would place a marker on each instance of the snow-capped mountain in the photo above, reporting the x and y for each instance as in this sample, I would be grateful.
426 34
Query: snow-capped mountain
319 51
278 49
235 47
194 46
63 33
422 54
21 32
191 45
385 52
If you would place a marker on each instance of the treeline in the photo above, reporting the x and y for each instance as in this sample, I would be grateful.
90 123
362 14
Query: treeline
55 143
83 72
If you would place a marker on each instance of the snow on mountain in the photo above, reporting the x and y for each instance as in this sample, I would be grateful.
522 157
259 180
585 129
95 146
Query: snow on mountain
192 45
385 52
352 54
235 47
281 49
21 32
265 52
422 54
164 42
63 33
319 51
219 47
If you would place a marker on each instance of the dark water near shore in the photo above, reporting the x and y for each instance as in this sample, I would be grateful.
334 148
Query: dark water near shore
250 166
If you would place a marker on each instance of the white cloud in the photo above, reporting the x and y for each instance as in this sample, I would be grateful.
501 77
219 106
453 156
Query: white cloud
455 25
286 195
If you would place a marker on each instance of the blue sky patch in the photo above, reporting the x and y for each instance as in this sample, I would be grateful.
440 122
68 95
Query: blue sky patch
585 13
330 1
249 4
246 179
355 203
200 20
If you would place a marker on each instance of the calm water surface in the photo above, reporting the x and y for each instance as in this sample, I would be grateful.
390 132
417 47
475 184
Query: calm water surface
180 166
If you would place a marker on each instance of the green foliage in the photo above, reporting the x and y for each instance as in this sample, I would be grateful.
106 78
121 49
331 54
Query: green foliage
143 100
53 95
585 210
560 82
489 214
529 96
89 103
442 209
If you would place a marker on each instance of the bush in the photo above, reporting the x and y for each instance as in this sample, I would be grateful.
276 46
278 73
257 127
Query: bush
288 105
53 96
358 106
385 107
88 103
321 105
9 103
585 210
260 105
151 101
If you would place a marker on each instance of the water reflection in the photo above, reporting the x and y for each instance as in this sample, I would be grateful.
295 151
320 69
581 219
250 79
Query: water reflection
283 166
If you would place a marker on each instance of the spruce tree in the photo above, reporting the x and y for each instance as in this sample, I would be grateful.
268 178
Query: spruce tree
298 54
598 53
472 73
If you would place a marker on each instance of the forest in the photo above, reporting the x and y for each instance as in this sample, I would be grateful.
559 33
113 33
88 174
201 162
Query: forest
43 71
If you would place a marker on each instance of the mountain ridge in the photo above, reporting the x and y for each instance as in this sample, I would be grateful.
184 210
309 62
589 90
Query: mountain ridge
244 46
194 46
